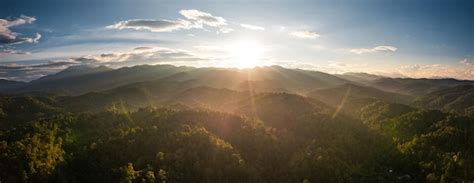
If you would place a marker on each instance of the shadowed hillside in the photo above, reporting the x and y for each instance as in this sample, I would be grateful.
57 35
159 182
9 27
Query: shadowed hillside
459 99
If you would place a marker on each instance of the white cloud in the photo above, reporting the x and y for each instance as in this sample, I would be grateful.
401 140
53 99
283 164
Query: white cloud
8 51
139 55
403 71
214 48
374 49
252 27
467 62
436 71
27 72
193 19
305 34
37 38
153 25
200 17
7 36
226 30
31 40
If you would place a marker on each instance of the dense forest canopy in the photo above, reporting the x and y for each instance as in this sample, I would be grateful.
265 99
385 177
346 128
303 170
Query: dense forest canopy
268 124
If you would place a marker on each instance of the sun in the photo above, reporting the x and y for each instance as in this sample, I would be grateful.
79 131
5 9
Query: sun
246 53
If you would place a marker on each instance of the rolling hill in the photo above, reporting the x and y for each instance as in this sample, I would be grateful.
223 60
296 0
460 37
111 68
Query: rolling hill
458 99
335 95
416 87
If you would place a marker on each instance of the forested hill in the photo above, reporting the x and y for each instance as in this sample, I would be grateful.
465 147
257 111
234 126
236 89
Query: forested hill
269 124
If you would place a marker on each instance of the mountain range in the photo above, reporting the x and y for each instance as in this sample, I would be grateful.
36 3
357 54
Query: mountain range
158 84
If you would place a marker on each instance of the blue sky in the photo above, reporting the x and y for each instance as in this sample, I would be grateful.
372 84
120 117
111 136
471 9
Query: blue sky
405 38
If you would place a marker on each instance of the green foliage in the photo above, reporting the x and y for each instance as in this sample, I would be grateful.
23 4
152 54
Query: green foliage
239 137
437 141
34 152
128 173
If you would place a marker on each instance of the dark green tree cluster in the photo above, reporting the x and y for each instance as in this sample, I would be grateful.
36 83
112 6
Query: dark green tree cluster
440 143
273 137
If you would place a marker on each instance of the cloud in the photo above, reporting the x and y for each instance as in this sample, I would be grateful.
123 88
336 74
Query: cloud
216 48
143 48
139 55
467 62
27 72
226 30
305 34
36 38
9 51
252 27
193 19
200 17
436 71
153 25
338 64
7 36
404 71
374 49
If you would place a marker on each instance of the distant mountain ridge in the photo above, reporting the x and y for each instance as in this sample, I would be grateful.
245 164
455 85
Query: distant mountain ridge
73 71
411 86
359 76
79 80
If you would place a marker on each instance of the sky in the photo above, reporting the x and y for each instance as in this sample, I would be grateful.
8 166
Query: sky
405 38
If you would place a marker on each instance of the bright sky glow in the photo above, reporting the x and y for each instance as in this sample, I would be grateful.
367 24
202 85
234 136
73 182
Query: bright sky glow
246 54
